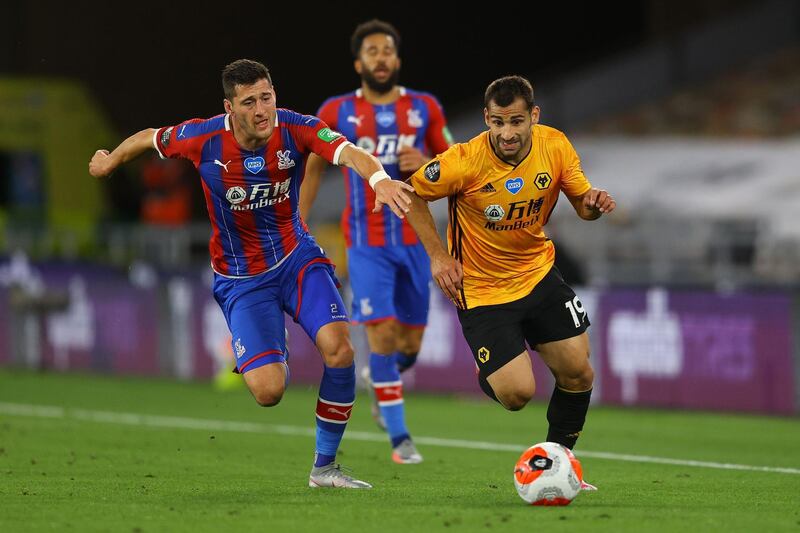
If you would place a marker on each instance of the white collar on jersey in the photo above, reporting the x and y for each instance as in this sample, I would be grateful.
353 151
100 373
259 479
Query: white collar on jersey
360 93
228 121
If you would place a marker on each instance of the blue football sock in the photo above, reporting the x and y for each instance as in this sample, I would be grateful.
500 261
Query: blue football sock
404 361
337 392
389 392
320 459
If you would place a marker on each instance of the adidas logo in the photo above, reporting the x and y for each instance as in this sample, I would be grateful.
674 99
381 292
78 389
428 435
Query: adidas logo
487 188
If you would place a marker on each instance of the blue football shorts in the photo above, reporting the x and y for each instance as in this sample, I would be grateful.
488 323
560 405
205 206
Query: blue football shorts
304 286
390 282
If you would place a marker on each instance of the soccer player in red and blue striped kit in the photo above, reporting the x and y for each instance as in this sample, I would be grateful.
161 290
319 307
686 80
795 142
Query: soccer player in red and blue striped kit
389 270
251 161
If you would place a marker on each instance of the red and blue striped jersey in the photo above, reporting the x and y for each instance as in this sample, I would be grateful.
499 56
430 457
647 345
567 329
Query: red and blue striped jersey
415 119
251 195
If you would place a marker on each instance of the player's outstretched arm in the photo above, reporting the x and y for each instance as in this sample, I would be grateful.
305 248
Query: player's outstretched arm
315 167
104 163
447 272
387 191
593 204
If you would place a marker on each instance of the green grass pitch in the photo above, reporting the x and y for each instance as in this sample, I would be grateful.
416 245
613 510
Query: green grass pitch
92 453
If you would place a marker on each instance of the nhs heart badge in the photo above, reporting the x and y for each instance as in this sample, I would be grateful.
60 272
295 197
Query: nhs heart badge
385 118
514 185
255 164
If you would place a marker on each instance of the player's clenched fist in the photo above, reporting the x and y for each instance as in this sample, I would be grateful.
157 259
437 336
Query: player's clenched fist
599 201
99 164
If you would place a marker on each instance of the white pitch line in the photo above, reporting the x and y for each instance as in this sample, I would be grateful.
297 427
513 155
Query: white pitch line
177 422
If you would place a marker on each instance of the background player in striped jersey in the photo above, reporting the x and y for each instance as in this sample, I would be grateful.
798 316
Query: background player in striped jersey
389 272
251 162
502 186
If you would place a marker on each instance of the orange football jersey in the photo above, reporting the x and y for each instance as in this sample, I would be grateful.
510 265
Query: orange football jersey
497 210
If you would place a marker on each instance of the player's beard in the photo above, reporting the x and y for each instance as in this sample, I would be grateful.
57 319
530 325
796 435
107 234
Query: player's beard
515 157
381 87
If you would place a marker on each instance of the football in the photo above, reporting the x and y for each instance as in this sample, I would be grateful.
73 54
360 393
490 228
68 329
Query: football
548 474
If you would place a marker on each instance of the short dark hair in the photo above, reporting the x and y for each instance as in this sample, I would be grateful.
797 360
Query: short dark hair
242 72
365 29
503 91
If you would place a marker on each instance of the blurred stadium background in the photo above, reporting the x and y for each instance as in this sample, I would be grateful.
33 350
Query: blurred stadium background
689 114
